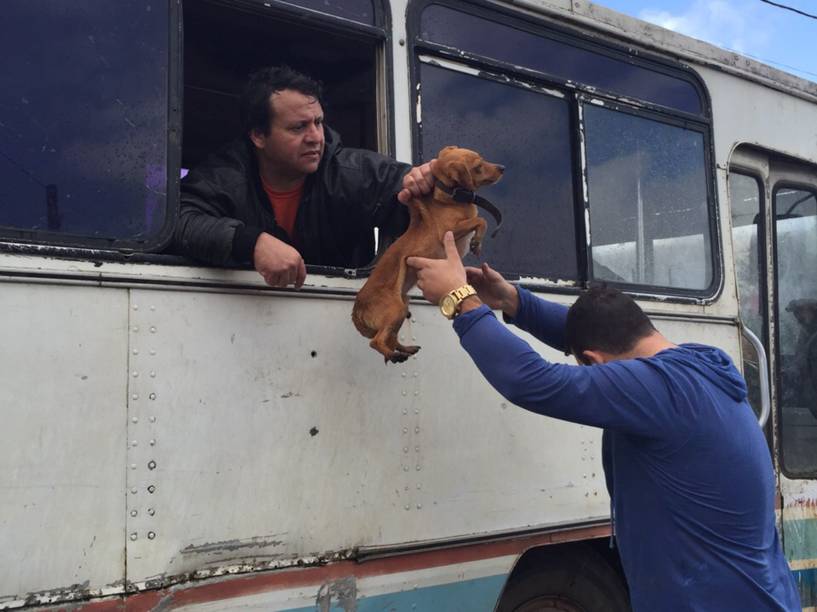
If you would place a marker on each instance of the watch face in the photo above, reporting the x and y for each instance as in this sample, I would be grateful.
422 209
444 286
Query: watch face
448 306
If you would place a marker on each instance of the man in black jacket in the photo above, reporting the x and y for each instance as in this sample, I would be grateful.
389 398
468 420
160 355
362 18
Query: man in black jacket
289 193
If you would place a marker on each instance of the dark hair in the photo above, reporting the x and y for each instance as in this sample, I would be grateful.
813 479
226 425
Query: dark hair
256 112
605 319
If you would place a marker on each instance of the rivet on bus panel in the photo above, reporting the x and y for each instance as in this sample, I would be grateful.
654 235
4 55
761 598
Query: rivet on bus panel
135 328
152 329
151 511
152 396
153 374
135 307
136 374
151 465
407 507
135 351
151 535
151 489
153 442
153 419
133 536
133 491
134 419
134 443
134 513
133 466
135 396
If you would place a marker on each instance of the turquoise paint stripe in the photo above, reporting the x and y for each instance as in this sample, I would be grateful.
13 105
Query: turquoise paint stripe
807 583
478 595
800 539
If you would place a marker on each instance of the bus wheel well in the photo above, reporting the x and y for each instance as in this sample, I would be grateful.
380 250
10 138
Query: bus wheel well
571 576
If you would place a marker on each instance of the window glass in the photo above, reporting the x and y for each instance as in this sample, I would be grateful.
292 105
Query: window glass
355 10
528 133
744 194
649 218
796 234
83 117
505 43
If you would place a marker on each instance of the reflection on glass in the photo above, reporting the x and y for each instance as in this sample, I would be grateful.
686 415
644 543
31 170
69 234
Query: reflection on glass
527 132
505 43
796 231
649 218
355 10
83 137
744 197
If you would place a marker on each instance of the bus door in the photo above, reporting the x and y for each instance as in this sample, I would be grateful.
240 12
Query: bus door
774 232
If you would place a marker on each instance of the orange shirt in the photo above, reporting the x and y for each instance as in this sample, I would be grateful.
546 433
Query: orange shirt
285 206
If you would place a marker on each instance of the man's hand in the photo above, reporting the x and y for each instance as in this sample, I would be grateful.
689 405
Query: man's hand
437 277
278 263
418 182
494 290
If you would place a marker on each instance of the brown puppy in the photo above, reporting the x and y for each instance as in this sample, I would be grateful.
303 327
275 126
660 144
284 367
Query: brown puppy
382 304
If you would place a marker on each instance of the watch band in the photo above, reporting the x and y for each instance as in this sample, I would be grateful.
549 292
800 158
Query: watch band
451 302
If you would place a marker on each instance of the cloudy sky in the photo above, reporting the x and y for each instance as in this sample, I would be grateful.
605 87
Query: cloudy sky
767 33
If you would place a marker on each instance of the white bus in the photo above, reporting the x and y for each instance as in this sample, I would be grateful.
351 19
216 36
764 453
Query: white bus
177 436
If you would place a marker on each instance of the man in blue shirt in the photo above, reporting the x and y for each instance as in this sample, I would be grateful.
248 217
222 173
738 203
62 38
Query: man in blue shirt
687 467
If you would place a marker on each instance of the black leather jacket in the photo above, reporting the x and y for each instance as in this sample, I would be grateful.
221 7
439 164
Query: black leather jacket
224 207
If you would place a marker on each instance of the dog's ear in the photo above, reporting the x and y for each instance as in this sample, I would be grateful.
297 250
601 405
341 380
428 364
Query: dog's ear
461 174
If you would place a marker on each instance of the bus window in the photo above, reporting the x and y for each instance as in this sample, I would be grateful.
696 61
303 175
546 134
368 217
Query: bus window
560 57
747 217
527 131
796 237
649 214
83 138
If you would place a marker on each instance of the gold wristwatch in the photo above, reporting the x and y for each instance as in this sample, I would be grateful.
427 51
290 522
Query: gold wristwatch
450 304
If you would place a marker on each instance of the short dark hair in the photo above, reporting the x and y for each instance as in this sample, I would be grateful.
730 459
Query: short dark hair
605 319
256 113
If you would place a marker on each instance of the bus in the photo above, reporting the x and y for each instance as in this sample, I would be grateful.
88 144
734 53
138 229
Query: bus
181 436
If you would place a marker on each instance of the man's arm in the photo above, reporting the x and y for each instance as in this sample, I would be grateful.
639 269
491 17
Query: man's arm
626 395
205 230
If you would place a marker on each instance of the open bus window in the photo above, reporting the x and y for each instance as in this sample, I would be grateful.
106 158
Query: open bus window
527 131
223 45
83 138
796 236
649 213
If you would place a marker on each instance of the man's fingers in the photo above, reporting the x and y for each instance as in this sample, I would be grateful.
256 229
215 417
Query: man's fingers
301 275
451 251
418 262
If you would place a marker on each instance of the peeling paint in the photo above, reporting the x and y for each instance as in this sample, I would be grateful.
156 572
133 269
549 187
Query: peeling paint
342 592
231 545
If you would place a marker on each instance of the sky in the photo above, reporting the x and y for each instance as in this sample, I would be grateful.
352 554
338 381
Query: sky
772 35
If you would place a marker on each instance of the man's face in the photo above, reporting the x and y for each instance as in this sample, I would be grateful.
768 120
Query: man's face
294 145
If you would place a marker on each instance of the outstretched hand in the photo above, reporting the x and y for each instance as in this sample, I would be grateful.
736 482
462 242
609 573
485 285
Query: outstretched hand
437 277
494 290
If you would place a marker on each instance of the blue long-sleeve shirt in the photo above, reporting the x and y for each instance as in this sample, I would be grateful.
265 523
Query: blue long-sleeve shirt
688 469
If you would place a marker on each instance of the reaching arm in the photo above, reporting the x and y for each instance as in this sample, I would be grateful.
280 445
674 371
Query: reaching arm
624 395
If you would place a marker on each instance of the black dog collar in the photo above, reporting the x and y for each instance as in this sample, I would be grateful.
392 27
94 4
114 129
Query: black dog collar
464 196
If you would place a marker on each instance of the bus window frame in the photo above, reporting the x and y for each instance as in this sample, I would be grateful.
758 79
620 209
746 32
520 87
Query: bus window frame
575 92
784 183
44 242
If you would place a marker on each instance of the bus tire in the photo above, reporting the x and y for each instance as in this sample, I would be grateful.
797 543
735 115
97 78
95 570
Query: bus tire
575 579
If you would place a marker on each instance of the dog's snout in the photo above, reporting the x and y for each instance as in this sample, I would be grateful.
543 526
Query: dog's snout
501 168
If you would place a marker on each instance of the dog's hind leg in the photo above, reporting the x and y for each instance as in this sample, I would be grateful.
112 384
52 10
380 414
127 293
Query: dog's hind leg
466 226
